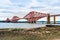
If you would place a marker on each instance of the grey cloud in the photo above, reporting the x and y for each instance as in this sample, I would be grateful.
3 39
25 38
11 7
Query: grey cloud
6 12
36 7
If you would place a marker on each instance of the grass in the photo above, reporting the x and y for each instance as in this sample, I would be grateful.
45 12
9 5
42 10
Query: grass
43 33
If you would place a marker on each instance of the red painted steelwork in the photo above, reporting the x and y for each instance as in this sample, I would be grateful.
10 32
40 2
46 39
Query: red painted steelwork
7 20
34 16
31 17
15 19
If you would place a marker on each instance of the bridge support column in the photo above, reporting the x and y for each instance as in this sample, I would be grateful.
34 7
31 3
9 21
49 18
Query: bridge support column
48 19
33 20
54 20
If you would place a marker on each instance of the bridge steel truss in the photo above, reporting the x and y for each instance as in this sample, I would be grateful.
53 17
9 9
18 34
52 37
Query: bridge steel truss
33 16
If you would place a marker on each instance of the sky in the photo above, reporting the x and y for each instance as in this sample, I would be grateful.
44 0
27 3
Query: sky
9 8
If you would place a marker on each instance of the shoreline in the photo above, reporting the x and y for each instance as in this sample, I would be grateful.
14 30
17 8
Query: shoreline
42 33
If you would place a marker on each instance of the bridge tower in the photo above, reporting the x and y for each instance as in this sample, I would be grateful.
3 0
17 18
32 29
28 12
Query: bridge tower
33 16
7 20
32 20
15 19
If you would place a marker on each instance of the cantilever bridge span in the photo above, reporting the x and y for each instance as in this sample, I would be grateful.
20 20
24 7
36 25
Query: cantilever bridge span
33 16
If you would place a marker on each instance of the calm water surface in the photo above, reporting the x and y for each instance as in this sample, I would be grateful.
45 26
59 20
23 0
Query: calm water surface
22 25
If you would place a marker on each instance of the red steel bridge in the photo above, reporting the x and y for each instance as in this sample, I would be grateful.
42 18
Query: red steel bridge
32 17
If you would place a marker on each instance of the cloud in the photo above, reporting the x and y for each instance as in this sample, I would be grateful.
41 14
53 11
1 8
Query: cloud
20 3
23 7
50 6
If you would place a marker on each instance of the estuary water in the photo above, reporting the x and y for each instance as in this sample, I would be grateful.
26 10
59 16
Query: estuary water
23 25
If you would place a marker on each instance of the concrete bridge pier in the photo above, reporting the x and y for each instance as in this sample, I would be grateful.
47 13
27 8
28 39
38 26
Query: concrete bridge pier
54 20
48 19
